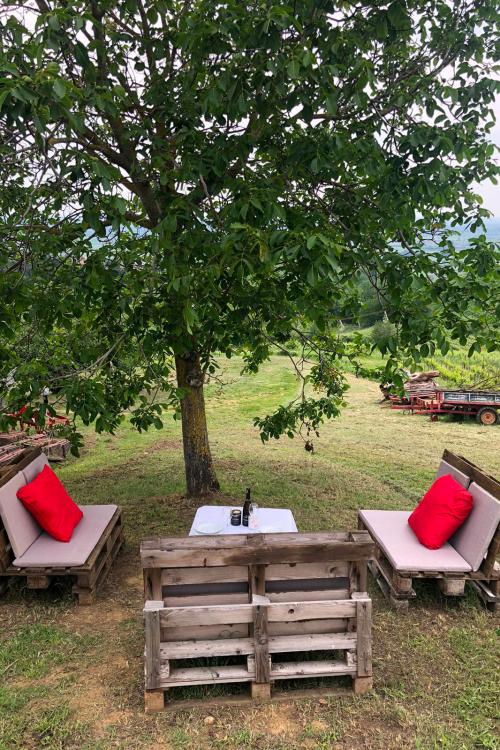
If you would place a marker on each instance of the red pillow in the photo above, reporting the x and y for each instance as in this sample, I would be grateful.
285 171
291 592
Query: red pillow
47 500
443 508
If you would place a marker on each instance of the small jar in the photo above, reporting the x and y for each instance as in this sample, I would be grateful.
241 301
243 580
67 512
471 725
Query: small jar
236 517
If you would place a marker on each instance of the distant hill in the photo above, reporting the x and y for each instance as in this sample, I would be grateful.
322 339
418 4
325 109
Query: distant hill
492 231
463 235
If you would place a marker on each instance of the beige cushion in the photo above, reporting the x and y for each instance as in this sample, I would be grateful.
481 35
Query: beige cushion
21 527
446 468
46 551
473 537
34 468
389 528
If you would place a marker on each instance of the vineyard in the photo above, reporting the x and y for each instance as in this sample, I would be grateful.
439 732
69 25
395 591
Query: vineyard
457 370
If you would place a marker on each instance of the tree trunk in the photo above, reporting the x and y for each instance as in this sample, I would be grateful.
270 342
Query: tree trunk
200 472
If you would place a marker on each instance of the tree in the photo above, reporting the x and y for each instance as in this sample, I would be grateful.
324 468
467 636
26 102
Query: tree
182 178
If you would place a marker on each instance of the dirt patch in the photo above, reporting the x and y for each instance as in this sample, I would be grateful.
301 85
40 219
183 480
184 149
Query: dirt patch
164 445
92 704
278 719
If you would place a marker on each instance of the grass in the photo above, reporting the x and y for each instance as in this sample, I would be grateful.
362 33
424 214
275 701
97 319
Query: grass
71 678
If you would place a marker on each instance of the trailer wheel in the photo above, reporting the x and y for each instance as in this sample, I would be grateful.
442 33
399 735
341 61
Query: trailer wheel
487 416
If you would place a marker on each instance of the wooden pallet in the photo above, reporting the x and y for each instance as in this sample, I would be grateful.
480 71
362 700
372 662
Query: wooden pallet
282 606
56 449
397 585
87 577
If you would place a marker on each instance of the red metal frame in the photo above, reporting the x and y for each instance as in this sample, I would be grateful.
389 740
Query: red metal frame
438 404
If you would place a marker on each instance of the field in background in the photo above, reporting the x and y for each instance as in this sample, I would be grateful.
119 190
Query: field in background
71 678
456 368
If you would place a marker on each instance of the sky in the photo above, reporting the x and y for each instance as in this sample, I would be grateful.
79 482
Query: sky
491 193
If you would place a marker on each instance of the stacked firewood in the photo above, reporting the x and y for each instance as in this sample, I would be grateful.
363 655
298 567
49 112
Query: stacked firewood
422 384
13 443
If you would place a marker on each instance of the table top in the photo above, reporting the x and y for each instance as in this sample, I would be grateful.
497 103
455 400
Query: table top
269 520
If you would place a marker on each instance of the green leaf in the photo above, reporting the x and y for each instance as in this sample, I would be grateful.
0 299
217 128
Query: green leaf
332 103
293 68
59 88
3 96
398 15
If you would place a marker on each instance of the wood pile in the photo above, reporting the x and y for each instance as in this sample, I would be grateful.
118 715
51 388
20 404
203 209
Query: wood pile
13 443
422 384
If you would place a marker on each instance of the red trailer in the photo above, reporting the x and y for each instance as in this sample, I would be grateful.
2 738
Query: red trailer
483 405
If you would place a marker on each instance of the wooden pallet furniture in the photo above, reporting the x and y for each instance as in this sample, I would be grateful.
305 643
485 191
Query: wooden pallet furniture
88 575
396 582
277 606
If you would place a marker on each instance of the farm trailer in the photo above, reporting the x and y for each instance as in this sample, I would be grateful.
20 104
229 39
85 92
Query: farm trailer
483 405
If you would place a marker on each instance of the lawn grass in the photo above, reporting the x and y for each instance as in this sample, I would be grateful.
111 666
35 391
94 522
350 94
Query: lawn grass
71 678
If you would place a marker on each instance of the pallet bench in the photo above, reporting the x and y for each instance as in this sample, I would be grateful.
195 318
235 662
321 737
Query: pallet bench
478 538
255 599
88 573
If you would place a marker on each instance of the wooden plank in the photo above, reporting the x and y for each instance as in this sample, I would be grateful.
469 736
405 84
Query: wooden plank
288 586
230 573
260 637
38 582
299 669
386 570
260 580
311 610
108 552
309 596
205 615
307 627
152 584
401 584
205 632
364 635
486 481
452 586
253 550
249 556
312 642
386 588
294 571
261 691
152 653
229 541
488 564
207 676
203 600
242 613
196 649
91 560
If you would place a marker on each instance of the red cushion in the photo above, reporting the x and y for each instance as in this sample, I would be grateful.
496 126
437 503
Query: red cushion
47 500
443 508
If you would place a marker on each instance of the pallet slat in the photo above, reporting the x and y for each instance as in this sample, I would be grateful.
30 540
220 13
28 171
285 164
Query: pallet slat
324 668
244 646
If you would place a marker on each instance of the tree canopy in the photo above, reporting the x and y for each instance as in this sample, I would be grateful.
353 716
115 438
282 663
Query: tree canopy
182 178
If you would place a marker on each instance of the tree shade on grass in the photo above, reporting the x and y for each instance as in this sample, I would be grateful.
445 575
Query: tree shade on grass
180 179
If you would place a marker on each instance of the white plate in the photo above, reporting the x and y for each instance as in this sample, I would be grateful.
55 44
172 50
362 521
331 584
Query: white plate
208 528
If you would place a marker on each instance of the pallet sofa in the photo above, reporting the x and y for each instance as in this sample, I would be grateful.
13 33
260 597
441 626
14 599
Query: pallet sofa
26 550
470 555
268 603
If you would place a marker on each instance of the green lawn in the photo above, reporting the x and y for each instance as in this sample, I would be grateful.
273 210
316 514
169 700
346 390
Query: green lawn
71 678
